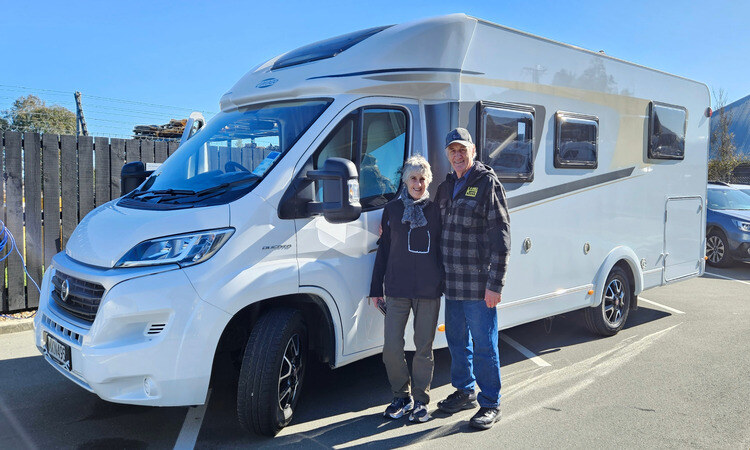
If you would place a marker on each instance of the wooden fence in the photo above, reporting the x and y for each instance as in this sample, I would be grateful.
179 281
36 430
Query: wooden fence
50 182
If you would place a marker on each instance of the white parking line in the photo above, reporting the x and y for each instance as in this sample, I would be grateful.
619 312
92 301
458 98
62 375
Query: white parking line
726 278
659 305
524 351
192 426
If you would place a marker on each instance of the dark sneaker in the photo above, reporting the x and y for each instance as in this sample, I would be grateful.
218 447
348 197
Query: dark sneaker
419 413
457 401
485 418
398 407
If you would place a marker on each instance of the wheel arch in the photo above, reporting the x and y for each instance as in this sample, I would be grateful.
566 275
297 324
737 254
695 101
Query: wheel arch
322 324
623 257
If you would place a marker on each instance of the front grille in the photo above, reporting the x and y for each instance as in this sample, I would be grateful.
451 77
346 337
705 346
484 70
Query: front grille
83 297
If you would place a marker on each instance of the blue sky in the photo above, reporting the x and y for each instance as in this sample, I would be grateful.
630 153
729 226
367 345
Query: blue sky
141 62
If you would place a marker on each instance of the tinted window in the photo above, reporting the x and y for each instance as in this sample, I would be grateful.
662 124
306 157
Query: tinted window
666 138
506 141
576 139
375 139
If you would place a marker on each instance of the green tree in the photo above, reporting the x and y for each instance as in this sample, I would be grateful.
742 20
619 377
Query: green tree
31 114
723 150
4 125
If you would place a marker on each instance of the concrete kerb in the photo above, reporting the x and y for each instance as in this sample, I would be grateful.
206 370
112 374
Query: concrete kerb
16 325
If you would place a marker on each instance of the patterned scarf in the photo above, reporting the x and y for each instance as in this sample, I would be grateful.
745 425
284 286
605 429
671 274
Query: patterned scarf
413 213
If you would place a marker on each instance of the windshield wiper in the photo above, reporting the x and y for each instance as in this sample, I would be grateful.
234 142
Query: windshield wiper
223 186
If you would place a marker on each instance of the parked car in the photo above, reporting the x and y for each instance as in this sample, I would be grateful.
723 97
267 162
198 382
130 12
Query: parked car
727 225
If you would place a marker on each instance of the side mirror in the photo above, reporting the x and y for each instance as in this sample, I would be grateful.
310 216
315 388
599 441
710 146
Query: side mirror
338 178
132 175
194 123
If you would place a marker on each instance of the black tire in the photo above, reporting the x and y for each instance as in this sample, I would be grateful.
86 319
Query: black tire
273 369
610 315
717 249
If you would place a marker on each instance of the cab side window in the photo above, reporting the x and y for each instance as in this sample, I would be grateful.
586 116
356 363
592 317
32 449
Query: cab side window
375 139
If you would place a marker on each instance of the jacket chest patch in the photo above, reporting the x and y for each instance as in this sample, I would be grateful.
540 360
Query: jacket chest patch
472 191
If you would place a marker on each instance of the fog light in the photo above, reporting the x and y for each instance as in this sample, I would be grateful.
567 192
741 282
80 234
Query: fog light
149 387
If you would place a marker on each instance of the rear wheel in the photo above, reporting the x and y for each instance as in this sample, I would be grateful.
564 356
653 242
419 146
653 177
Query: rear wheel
609 317
272 372
717 250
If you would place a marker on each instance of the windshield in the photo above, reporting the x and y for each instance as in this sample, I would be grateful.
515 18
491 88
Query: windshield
229 156
728 199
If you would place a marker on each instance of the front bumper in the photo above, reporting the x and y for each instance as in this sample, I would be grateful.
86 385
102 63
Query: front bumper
152 341
739 245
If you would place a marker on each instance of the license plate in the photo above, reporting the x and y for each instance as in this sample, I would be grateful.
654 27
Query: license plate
59 352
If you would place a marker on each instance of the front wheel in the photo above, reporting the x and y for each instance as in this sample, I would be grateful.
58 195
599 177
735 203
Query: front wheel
272 372
609 317
717 250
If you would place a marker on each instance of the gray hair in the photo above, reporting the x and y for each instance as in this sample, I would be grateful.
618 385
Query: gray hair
419 165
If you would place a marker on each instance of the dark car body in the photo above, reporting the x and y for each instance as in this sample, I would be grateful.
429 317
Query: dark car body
727 225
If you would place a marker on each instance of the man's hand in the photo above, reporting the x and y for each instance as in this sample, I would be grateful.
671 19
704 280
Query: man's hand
492 298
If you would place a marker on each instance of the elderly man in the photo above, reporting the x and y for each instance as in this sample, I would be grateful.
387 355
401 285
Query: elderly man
475 245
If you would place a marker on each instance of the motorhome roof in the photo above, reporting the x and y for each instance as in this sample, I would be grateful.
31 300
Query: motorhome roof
427 57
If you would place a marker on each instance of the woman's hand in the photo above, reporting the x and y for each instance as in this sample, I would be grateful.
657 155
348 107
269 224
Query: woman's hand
378 302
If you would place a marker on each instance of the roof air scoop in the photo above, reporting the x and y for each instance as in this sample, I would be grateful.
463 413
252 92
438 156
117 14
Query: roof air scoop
325 49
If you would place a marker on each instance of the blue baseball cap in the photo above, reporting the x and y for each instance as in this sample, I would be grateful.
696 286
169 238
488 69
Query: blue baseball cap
460 135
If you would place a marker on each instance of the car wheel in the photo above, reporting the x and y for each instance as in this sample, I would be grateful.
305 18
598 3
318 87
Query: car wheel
609 317
717 250
272 372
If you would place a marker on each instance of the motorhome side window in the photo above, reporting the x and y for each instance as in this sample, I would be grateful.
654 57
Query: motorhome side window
506 140
375 140
576 141
666 136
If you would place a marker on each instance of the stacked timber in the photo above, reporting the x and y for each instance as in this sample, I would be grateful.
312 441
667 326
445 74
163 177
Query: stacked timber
172 130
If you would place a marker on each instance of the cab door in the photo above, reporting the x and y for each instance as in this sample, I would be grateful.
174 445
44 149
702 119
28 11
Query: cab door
377 134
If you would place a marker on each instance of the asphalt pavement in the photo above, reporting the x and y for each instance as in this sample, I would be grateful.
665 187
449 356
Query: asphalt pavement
675 377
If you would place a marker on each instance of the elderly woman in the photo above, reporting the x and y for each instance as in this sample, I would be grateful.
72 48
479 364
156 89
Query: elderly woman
408 264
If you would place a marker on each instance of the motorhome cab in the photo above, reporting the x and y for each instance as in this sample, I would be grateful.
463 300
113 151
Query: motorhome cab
258 236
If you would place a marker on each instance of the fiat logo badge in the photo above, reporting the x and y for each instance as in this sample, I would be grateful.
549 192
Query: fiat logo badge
65 290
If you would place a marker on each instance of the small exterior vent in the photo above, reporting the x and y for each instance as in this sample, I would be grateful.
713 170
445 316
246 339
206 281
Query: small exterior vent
155 328
67 334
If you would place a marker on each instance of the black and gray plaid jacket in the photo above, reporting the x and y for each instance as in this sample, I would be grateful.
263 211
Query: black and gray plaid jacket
476 234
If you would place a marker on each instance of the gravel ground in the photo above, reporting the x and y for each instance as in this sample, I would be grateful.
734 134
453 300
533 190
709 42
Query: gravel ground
17 315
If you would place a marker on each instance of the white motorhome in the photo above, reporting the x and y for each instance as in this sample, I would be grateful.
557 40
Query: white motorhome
258 236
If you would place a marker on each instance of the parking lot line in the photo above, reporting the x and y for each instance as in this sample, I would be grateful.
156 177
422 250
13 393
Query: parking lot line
659 305
726 278
524 351
192 426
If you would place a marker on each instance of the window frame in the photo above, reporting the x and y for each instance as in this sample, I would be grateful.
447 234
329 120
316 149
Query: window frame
512 107
358 150
652 154
562 117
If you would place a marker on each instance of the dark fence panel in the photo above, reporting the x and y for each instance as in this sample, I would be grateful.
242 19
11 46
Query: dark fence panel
33 210
14 219
50 183
51 168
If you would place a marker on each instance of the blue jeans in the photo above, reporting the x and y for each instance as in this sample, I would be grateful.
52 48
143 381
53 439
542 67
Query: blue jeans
471 331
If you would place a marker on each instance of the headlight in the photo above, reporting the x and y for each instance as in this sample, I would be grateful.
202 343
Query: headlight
744 226
183 249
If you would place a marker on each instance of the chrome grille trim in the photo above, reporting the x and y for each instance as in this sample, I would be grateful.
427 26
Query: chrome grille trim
82 301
